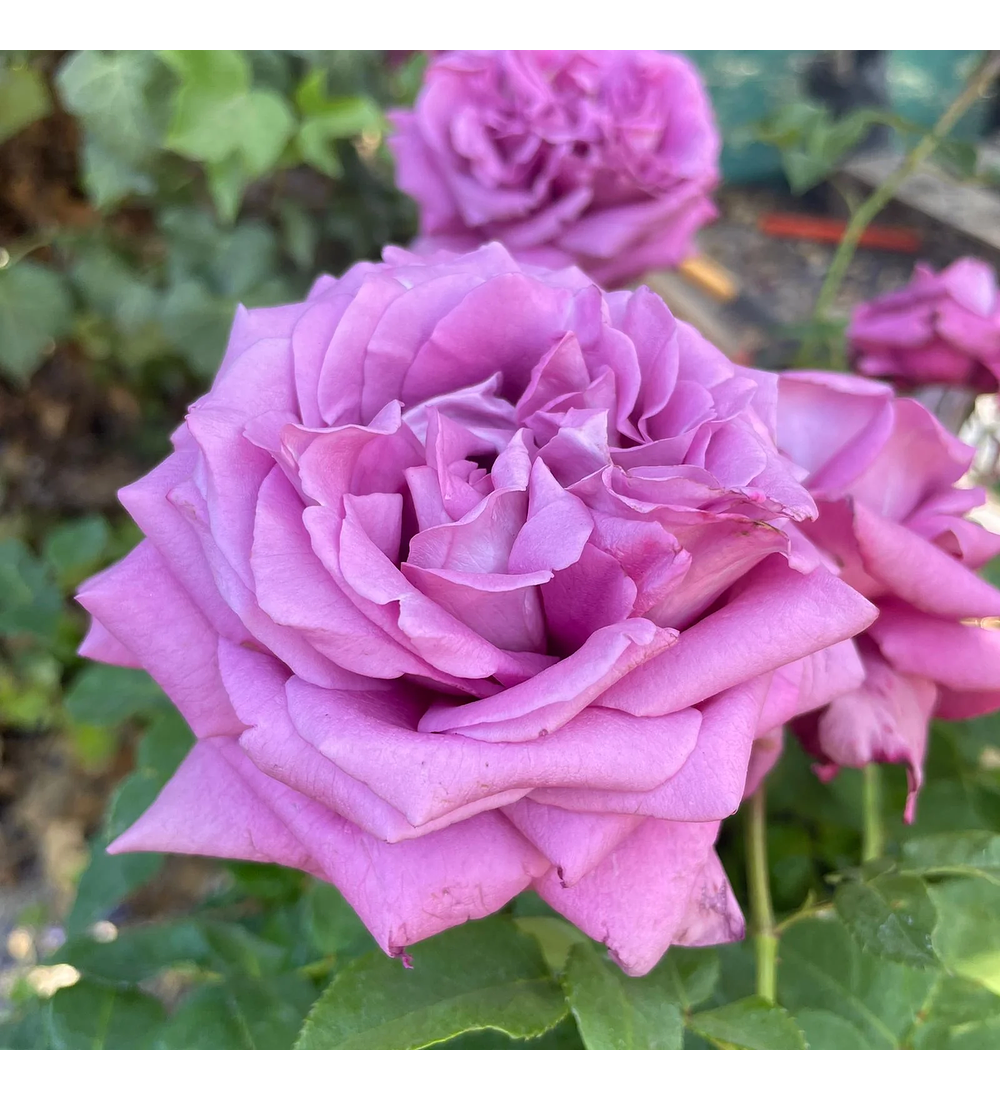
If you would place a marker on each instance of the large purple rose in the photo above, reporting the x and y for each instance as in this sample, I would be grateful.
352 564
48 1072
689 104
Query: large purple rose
942 328
604 159
892 524
471 578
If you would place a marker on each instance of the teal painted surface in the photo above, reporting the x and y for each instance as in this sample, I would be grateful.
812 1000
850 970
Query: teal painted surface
745 85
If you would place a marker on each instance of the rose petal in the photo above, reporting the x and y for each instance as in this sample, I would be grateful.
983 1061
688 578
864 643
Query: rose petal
661 885
777 617
129 600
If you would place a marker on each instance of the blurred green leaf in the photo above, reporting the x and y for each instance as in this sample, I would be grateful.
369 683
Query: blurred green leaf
332 925
750 1024
325 119
227 181
30 603
25 1030
237 950
136 953
197 323
161 749
108 90
267 881
970 853
104 695
967 936
109 177
615 1012
106 881
824 1030
556 937
76 548
91 1016
35 311
890 915
822 969
961 1015
811 141
221 120
24 99
481 974
240 1014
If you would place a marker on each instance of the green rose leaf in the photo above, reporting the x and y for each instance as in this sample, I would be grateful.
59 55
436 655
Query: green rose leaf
91 1016
976 852
967 936
484 974
890 915
749 1024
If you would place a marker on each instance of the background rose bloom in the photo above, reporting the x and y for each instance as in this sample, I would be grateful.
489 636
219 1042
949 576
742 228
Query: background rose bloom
604 159
471 578
883 471
941 328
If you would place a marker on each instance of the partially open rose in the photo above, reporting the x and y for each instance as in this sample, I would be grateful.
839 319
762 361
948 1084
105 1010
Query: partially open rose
942 328
604 158
471 578
892 523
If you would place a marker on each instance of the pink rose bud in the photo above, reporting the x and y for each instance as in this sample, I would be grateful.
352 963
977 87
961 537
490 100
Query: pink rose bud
604 159
469 579
940 329
890 523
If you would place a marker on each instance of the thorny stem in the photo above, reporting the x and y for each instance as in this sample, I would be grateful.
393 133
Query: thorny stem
873 835
761 911
976 86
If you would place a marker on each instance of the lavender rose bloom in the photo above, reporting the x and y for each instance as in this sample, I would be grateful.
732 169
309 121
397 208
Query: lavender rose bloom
891 522
604 159
470 578
942 328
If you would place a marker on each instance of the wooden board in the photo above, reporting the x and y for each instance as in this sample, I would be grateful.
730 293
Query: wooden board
968 208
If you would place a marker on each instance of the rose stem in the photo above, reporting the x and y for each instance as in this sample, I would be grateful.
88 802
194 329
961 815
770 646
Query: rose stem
872 835
976 85
761 910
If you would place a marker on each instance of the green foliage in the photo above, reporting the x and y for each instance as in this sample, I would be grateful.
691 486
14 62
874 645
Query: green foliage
614 1012
811 141
35 311
24 99
890 915
749 1024
485 974
91 1016
195 139
845 998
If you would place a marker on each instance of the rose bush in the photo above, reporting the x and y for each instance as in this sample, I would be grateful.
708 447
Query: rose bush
471 578
604 159
941 328
892 523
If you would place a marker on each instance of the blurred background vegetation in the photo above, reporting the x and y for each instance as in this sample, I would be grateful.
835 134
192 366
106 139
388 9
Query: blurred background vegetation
142 196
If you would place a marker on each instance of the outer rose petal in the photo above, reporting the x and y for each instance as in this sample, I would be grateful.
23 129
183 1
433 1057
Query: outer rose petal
151 502
129 600
964 658
810 683
777 617
661 885
710 784
190 817
432 774
575 843
884 720
766 752
256 683
403 892
918 572
101 645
